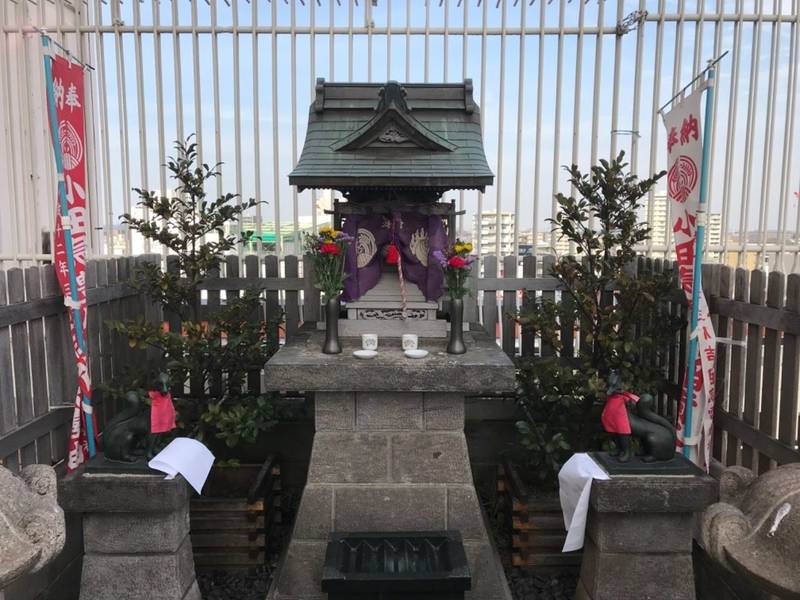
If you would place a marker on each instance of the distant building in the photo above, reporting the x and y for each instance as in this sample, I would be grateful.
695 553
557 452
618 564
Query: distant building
488 233
661 225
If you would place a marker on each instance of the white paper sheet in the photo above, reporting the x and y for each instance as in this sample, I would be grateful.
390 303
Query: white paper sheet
574 487
186 456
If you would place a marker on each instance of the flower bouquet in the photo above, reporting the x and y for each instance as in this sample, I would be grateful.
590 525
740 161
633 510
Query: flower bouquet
327 250
456 263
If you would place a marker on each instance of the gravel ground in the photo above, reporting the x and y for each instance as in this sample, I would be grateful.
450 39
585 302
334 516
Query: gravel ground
526 586
222 585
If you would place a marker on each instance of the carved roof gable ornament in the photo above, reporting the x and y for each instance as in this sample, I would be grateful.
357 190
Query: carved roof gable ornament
393 126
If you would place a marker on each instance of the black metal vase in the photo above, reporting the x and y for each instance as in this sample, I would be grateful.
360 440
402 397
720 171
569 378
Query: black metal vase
332 345
456 343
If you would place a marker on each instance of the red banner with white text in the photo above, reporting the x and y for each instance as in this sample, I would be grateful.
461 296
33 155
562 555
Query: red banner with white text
684 152
70 238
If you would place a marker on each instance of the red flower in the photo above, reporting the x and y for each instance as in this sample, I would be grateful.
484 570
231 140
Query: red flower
456 262
330 248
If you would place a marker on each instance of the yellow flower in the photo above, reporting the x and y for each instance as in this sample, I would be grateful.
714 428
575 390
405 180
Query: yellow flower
468 247
458 248
326 230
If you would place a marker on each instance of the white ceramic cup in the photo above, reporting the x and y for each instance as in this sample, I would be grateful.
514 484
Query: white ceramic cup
410 341
369 341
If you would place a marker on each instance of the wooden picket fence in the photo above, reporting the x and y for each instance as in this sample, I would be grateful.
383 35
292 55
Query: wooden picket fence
38 381
757 376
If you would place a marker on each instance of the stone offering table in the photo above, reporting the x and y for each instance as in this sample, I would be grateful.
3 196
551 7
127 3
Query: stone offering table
135 535
389 451
638 541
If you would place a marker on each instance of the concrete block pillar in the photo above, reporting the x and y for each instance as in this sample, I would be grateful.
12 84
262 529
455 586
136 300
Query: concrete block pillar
136 536
387 461
639 537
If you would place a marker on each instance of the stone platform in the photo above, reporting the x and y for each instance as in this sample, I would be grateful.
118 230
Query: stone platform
135 534
389 452
638 541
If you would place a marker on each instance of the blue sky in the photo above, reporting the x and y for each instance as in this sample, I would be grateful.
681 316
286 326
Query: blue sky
490 106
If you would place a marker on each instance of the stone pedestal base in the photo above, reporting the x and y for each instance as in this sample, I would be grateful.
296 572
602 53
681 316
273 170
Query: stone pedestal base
387 461
639 537
136 536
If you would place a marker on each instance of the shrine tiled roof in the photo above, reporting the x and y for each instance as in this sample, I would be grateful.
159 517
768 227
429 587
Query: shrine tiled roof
414 135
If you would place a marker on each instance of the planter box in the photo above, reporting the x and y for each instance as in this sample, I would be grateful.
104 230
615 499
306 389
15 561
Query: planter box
232 526
537 525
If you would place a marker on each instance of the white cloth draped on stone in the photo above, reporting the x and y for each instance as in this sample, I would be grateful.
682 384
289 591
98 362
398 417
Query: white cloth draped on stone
574 488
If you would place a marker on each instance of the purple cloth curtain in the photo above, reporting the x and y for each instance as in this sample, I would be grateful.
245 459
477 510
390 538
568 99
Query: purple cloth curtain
417 237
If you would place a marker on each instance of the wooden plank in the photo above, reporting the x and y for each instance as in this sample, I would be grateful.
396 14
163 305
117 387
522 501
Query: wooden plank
33 430
27 455
790 369
768 419
42 307
292 297
528 341
11 462
490 297
311 294
758 315
53 324
724 289
673 354
294 284
236 541
273 308
106 348
113 311
59 438
8 412
736 376
543 283
44 449
172 318
471 314
251 268
547 268
567 331
37 349
19 350
509 329
93 331
225 558
752 438
755 363
225 521
213 305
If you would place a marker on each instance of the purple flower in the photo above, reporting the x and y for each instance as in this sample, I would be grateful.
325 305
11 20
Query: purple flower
470 259
440 256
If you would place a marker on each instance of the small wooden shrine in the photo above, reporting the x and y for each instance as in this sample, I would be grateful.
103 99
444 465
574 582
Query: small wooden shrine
392 150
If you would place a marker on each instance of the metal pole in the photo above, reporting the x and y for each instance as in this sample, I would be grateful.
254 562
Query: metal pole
698 259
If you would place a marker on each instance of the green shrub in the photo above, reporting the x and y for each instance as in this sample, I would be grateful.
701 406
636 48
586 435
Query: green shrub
624 323
209 359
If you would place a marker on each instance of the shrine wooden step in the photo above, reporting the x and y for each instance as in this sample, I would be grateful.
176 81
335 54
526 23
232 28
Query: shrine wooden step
233 527
537 524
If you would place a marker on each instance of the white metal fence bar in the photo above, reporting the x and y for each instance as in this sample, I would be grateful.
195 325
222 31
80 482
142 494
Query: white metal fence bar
761 212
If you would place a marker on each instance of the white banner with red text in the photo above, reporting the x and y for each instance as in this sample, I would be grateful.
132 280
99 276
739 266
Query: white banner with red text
70 237
684 152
